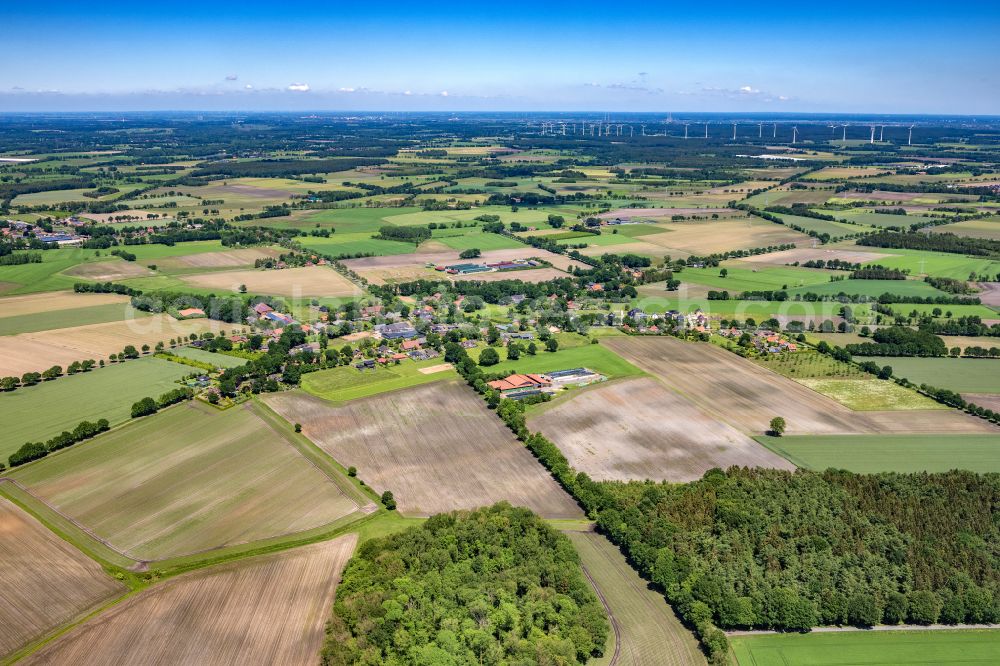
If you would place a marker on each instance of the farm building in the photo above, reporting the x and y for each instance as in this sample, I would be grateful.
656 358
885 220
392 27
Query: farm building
262 308
574 377
396 331
520 382
279 318
464 269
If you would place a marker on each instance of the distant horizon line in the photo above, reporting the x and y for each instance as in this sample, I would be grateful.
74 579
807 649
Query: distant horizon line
667 115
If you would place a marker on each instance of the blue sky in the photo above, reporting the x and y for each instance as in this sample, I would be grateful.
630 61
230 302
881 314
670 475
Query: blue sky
888 57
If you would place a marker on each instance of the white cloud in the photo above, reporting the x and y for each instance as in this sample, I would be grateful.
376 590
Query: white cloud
444 93
346 90
231 77
407 93
299 87
248 87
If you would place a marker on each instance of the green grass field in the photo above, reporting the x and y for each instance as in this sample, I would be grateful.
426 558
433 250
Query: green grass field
739 278
354 243
965 375
835 229
872 288
349 383
871 395
45 276
36 413
938 264
868 648
596 357
44 321
186 480
219 360
981 311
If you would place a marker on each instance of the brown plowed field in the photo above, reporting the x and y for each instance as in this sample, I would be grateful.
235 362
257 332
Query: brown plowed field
803 254
44 581
224 259
265 610
638 429
436 447
747 396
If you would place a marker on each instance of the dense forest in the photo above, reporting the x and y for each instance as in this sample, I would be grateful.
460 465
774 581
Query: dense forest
900 341
768 548
492 586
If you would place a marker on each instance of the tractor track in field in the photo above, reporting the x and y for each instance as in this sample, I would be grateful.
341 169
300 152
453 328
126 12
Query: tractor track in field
611 616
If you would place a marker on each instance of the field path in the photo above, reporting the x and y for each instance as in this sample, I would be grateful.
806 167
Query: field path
647 632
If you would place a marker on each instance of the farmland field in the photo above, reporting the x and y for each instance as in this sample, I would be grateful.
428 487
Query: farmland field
36 413
34 352
349 383
638 429
865 454
186 480
964 375
103 271
871 395
875 648
646 631
436 447
988 228
45 581
596 357
307 281
734 389
269 609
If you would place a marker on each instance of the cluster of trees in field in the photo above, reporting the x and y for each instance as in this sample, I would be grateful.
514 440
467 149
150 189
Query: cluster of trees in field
832 264
148 405
412 234
8 258
492 586
768 548
230 309
945 242
900 341
950 285
800 210
878 272
35 450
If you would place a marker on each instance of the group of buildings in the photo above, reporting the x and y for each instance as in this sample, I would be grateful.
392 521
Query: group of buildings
521 386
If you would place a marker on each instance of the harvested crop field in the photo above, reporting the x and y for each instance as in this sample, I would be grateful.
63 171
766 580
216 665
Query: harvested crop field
16 306
533 275
638 429
104 271
265 610
45 581
985 400
34 352
803 254
646 630
225 259
629 213
292 282
705 237
185 480
747 396
436 447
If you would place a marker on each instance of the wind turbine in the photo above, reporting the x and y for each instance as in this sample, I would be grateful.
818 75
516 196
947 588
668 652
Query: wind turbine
909 141
706 130
631 131
686 130
760 130
873 135
881 133
643 129
795 134
734 131
775 131
844 138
